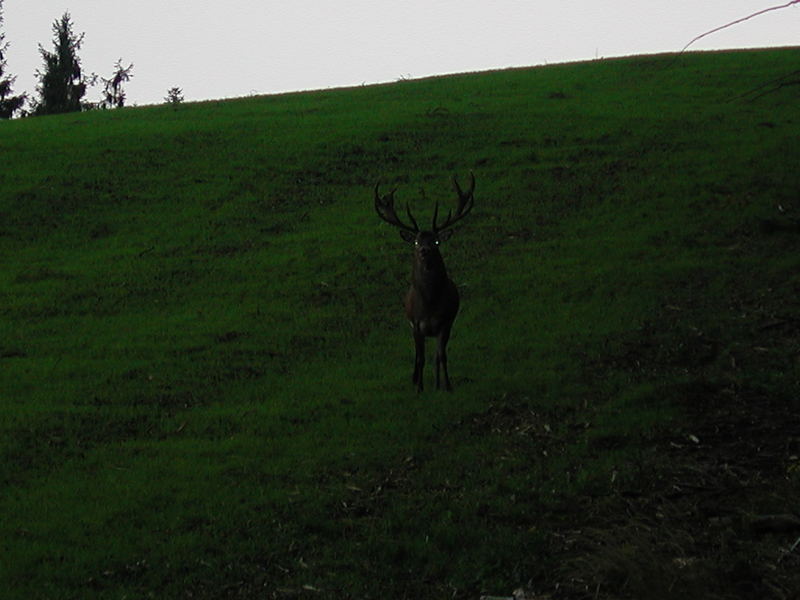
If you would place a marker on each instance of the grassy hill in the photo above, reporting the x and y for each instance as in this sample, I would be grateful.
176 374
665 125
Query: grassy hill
205 373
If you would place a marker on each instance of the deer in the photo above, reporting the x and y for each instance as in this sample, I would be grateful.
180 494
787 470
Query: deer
432 300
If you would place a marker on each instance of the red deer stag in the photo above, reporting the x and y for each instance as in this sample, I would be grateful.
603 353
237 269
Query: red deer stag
432 300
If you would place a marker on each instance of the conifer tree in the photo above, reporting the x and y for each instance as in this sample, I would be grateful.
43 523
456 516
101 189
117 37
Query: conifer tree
62 85
9 103
174 96
113 94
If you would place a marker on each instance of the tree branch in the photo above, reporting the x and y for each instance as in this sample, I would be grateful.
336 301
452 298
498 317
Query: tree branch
770 87
737 21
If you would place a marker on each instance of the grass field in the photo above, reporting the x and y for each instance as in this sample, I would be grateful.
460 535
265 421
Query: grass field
205 373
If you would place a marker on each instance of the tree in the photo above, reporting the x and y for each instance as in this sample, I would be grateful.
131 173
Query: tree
174 96
8 104
62 85
113 94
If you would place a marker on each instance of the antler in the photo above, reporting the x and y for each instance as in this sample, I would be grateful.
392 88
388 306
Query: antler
384 206
465 203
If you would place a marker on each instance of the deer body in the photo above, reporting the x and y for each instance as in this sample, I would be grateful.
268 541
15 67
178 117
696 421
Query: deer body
431 307
432 301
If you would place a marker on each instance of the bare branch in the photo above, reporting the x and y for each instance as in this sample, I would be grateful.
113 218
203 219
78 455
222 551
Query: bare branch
769 87
737 21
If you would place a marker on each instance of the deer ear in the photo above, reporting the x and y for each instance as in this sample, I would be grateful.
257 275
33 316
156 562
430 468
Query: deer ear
444 235
407 235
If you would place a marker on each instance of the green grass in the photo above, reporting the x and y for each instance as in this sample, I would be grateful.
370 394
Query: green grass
205 371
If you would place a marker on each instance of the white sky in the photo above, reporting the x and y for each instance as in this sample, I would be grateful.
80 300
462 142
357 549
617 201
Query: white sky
235 48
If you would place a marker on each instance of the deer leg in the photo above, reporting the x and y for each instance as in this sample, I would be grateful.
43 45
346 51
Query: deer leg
441 359
419 359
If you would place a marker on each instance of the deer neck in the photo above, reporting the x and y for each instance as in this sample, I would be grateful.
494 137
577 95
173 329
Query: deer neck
429 277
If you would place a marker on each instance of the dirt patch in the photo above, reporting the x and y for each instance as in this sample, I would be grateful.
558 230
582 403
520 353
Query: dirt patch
713 511
713 516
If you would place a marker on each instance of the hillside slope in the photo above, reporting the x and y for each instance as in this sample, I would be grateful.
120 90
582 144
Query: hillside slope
205 372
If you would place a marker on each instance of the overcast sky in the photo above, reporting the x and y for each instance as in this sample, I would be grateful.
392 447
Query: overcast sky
242 47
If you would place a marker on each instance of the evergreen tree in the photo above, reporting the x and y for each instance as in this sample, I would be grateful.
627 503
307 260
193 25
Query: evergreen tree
8 104
174 96
62 85
113 94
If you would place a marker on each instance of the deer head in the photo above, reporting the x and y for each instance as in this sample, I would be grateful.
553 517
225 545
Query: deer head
439 232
